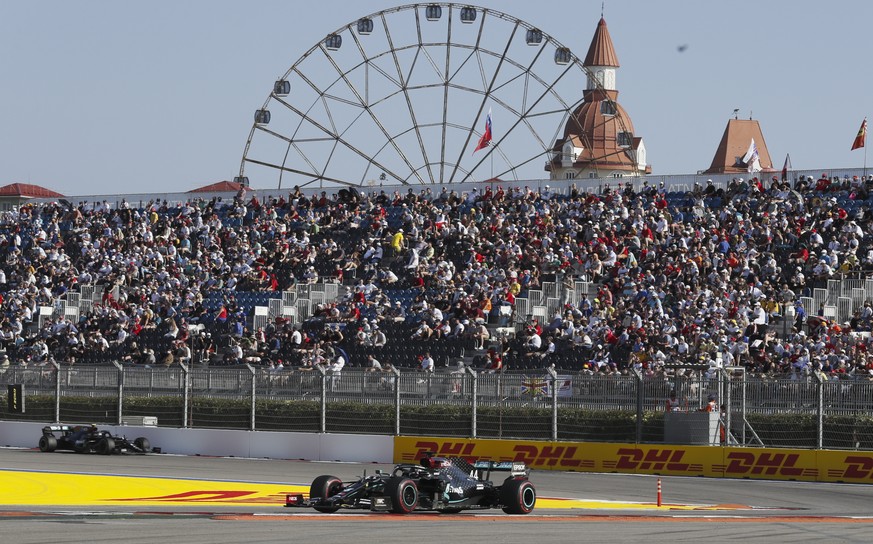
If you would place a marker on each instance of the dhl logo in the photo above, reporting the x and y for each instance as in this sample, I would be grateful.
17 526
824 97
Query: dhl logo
742 462
859 467
653 459
547 456
446 449
534 456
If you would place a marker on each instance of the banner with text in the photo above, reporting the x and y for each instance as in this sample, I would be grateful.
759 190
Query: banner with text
675 460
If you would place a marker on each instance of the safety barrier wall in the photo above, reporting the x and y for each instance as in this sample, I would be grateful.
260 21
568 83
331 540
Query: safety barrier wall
229 443
712 461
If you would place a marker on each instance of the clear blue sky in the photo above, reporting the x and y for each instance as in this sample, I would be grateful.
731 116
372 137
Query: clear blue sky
124 97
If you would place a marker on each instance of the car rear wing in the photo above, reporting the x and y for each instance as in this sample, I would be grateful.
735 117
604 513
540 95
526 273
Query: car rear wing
515 468
52 428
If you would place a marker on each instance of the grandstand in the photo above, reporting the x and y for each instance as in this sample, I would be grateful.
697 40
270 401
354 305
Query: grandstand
768 275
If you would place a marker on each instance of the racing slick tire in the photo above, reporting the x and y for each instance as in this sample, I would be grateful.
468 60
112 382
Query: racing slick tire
322 488
518 496
143 444
403 493
48 444
105 446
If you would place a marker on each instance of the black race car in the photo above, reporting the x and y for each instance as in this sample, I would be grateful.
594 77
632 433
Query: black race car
441 484
89 439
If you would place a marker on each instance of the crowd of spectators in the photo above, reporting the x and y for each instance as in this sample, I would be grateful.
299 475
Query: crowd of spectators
697 277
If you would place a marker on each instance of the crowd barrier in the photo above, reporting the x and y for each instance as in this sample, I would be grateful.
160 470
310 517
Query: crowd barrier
672 183
667 460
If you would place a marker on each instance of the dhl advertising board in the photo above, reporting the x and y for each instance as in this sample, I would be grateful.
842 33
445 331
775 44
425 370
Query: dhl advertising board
673 460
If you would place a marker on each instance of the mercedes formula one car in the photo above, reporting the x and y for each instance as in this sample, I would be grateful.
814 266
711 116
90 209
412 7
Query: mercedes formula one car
441 484
88 439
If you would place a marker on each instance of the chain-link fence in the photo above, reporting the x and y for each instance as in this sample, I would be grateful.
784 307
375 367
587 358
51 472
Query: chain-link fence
810 412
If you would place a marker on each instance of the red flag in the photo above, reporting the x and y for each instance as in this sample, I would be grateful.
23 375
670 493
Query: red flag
486 136
861 137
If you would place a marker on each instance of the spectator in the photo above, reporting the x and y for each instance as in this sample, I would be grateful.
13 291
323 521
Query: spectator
168 358
672 404
426 363
534 342
480 336
373 364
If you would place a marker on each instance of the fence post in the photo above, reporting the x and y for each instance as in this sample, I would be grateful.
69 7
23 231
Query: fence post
396 373
322 427
554 390
638 378
120 409
743 410
727 406
819 410
57 391
727 415
186 381
473 402
499 400
254 397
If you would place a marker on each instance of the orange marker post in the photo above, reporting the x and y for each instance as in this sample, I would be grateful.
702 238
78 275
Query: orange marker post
659 492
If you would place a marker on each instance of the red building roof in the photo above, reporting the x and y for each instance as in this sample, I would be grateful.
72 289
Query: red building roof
219 187
597 134
601 52
738 134
28 191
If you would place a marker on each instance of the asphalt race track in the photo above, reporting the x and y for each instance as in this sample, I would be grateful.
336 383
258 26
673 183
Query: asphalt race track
159 498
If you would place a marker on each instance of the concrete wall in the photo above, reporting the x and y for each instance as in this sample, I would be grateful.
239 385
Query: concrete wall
228 443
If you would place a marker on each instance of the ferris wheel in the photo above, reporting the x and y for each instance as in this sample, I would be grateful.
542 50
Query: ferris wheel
403 96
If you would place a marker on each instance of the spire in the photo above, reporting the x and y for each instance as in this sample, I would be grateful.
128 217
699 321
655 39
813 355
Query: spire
601 52
599 138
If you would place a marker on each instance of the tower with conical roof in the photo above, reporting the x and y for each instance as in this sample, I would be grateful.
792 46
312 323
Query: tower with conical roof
599 139
735 142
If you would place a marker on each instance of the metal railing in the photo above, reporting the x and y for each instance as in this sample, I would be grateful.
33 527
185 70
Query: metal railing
806 411
672 182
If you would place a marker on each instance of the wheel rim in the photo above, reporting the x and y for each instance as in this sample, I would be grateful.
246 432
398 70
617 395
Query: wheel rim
405 102
528 497
409 495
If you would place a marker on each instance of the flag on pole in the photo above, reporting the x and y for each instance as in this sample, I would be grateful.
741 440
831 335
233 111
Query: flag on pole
861 138
751 158
786 167
486 136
